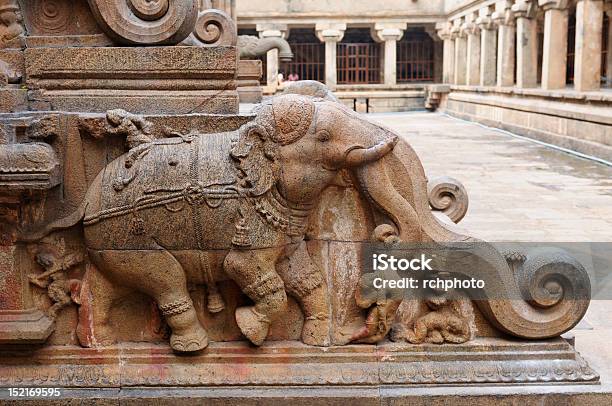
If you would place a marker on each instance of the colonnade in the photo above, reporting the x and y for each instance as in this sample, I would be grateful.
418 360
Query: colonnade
331 33
498 45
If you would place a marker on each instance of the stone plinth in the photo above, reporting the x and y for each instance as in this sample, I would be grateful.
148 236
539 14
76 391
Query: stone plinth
249 88
148 79
227 365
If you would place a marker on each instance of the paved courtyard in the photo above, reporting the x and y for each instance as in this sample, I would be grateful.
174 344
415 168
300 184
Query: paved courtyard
518 190
522 191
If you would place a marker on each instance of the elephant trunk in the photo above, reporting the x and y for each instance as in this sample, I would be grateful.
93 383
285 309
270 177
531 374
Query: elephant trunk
263 45
362 156
544 297
377 185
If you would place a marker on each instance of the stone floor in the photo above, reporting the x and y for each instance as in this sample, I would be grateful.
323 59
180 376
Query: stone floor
518 190
522 191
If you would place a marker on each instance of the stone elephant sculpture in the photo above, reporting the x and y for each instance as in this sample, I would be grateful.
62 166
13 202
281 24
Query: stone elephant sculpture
198 208
201 208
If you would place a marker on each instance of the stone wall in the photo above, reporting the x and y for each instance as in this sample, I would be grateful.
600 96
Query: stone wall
581 123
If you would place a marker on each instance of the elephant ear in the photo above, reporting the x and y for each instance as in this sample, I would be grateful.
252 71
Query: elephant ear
255 157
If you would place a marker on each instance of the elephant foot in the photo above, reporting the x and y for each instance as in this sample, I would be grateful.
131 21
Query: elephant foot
191 341
253 324
316 331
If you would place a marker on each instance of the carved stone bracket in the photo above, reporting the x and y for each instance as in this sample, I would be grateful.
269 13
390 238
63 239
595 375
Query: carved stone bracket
28 166
553 4
503 14
524 8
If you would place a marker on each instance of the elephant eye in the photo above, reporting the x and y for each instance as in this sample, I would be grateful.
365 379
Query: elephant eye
323 135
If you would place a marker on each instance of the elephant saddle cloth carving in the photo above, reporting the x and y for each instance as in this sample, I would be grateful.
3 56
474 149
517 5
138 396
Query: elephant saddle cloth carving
183 193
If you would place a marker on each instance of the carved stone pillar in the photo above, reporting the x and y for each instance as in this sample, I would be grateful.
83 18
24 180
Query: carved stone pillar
609 54
389 34
272 61
473 51
460 53
554 63
506 34
488 48
587 64
527 44
331 34
448 56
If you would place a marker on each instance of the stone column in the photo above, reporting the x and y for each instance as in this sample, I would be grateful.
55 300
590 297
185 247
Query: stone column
488 48
527 44
609 61
272 62
506 34
587 63
448 53
473 50
554 62
389 34
460 77
330 34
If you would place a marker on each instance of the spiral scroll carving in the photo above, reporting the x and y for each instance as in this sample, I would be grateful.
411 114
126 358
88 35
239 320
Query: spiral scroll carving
149 10
50 16
214 27
146 22
449 196
550 277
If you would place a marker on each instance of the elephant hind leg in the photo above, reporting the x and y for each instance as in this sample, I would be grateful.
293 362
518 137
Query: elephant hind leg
159 275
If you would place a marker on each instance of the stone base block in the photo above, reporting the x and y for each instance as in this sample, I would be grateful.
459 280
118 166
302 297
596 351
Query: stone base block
284 363
13 99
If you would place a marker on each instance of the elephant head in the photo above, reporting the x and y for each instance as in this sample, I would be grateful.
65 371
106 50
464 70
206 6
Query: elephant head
300 143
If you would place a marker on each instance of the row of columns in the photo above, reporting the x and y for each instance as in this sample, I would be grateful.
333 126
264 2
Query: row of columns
486 47
331 34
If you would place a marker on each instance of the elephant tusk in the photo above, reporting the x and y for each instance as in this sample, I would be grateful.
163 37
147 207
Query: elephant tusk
362 156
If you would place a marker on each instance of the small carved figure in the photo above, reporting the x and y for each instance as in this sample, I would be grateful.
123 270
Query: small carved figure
382 304
56 262
444 323
11 21
135 128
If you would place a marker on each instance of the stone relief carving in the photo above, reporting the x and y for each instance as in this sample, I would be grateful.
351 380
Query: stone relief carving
56 261
11 22
202 209
240 186
193 227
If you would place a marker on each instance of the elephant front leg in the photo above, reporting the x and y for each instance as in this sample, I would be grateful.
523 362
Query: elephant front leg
304 281
255 273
